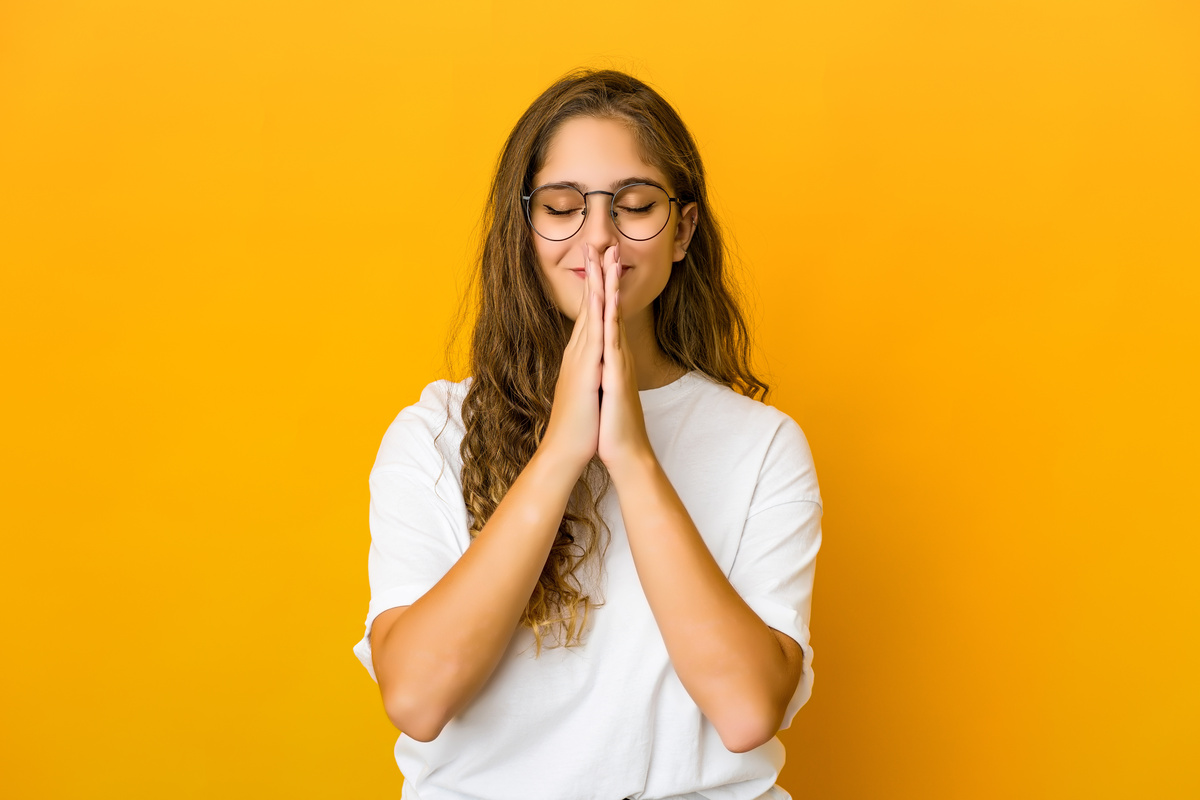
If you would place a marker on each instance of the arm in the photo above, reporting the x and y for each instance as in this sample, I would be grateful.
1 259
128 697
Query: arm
435 656
740 672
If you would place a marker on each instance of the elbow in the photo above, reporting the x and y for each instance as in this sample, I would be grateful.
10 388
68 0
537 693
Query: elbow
421 702
746 738
749 729
414 716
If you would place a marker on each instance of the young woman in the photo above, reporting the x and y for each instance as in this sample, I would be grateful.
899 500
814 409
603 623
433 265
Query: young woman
592 561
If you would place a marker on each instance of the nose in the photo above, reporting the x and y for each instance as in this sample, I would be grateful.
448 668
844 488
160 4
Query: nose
599 228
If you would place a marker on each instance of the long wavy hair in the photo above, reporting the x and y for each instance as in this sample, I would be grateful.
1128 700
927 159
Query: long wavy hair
520 334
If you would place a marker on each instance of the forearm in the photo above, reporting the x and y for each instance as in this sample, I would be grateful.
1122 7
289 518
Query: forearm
442 649
727 658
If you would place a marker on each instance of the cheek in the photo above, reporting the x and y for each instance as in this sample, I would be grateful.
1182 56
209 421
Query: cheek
564 286
551 256
655 254
651 260
651 271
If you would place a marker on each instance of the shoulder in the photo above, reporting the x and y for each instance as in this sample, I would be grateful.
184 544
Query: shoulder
770 437
742 414
431 428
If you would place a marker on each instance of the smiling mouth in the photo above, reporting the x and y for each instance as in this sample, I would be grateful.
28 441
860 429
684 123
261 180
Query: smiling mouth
583 274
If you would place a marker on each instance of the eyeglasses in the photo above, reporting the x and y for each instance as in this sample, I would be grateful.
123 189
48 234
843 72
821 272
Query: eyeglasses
556 211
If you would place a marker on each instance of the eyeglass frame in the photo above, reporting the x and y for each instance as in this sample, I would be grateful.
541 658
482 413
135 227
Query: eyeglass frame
612 196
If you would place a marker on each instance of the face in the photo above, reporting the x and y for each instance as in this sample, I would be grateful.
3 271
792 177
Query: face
602 154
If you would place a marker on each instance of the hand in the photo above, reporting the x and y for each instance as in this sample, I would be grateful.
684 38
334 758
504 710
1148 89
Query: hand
573 429
622 433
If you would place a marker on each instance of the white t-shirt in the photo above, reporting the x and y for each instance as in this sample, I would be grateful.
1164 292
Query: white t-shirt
608 719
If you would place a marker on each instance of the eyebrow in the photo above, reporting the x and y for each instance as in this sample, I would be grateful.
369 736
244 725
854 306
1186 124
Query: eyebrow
614 185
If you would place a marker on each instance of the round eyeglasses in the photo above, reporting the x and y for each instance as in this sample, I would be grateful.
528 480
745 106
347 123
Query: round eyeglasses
556 211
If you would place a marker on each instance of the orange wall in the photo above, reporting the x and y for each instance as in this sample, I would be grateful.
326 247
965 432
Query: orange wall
232 235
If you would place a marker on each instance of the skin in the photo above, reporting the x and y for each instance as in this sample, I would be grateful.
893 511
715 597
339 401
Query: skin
433 657
740 672
602 154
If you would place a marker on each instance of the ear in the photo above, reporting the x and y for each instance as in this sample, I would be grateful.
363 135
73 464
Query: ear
688 219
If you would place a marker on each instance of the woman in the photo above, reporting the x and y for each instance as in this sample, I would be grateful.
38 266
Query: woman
592 562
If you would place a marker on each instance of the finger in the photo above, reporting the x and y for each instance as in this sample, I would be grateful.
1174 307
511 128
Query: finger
611 277
596 287
596 275
588 294
583 294
581 316
579 332
620 322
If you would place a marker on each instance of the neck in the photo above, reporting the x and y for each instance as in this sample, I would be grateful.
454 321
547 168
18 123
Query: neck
652 366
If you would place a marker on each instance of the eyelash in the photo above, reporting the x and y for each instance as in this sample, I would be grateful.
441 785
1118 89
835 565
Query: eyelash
557 213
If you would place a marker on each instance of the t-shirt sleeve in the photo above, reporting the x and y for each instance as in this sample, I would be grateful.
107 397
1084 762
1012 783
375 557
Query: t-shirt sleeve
417 519
776 558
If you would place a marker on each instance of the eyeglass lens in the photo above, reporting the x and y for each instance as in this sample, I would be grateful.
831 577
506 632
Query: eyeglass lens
640 211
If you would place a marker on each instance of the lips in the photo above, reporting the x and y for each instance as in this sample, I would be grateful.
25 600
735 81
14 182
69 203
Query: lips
583 274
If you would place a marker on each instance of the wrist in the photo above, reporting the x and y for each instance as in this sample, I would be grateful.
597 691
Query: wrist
555 462
634 467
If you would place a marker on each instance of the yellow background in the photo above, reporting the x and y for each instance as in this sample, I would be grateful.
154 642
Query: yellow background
233 235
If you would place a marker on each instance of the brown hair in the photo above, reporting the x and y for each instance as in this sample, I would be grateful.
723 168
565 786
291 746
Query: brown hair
519 334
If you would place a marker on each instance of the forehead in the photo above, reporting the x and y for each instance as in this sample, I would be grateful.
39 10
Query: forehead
595 153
